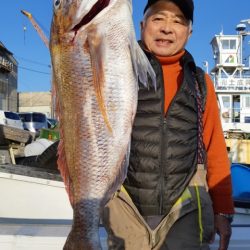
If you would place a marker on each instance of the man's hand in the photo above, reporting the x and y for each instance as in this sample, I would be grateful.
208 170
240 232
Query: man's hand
223 229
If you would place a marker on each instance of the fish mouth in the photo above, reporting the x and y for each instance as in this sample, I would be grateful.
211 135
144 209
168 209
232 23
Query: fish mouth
97 8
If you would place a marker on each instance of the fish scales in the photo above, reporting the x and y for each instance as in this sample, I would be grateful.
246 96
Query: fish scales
96 65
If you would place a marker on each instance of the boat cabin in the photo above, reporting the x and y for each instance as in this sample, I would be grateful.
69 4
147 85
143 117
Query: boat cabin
232 82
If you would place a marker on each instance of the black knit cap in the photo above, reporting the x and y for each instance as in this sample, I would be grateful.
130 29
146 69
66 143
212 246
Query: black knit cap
186 6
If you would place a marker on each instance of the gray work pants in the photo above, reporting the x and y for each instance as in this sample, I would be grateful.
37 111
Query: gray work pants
186 227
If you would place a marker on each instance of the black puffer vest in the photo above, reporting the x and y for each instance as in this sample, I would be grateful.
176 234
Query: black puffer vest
163 155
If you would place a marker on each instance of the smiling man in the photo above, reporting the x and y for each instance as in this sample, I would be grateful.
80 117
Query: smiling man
178 191
165 29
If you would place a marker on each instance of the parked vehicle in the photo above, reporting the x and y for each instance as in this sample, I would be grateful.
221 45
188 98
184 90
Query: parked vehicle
11 119
33 121
52 123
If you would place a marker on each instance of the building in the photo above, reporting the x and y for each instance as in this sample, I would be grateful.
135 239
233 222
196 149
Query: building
8 80
35 102
19 102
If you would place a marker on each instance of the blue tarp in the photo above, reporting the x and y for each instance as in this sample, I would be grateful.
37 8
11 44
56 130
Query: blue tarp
241 181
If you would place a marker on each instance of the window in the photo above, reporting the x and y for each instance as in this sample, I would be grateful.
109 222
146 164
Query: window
225 44
228 44
11 115
39 117
232 44
3 85
33 117
226 101
25 117
247 102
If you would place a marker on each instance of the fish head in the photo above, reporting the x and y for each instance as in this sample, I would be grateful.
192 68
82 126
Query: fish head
71 15
64 12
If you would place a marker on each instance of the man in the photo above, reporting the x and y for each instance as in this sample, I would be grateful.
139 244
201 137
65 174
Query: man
178 188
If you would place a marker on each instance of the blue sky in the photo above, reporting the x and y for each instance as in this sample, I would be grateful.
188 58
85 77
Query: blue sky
210 18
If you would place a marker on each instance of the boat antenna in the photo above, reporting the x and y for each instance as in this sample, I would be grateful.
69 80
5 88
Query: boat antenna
221 33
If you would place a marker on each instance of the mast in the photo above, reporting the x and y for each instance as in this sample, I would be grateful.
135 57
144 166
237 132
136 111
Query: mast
37 27
46 42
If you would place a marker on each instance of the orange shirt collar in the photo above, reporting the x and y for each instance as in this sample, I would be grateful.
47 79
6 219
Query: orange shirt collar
170 59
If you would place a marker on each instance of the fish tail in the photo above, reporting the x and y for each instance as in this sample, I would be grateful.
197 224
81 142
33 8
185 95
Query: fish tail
96 53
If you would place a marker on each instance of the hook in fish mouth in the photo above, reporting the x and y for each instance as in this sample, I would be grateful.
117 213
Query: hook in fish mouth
97 8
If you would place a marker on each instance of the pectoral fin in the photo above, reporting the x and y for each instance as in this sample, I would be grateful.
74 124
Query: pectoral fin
96 54
141 65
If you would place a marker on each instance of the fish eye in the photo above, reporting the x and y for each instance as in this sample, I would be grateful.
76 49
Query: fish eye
57 3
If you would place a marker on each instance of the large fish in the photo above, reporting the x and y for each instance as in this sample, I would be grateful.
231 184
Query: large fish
96 64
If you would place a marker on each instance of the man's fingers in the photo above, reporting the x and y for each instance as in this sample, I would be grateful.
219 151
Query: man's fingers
223 229
224 241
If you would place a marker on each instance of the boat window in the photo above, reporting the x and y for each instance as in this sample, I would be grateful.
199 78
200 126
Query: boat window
247 102
228 44
226 101
236 108
225 44
232 44
225 108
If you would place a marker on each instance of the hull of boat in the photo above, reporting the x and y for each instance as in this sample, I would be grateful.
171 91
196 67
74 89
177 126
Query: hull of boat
36 213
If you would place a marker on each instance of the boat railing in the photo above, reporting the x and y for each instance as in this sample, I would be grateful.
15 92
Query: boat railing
235 115
233 84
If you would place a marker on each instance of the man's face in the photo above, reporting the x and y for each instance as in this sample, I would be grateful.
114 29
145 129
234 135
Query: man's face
165 30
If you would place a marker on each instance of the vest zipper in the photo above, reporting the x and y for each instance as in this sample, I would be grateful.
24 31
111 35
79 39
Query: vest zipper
163 143
162 186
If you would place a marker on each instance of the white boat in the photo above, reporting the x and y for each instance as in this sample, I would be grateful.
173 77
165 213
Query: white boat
231 76
35 213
